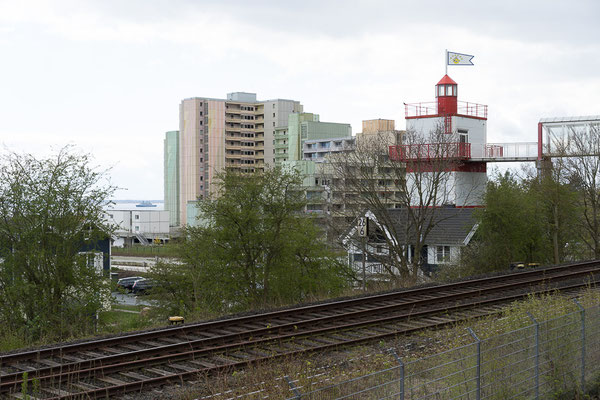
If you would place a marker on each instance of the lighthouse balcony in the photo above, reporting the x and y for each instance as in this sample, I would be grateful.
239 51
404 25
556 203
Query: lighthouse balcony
430 109
430 152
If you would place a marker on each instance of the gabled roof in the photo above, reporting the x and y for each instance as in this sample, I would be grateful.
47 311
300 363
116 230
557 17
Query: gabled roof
452 226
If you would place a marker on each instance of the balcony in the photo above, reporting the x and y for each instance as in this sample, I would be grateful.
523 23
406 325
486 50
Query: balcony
430 109
430 152
233 119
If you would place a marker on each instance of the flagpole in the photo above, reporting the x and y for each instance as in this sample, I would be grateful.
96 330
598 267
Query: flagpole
446 61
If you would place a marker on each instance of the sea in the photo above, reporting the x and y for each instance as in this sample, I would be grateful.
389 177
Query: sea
126 205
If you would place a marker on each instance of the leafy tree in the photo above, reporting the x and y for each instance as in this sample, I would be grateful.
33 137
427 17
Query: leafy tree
511 227
50 208
558 200
252 248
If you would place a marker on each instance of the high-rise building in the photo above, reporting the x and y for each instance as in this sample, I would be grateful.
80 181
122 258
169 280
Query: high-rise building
214 134
171 176
302 127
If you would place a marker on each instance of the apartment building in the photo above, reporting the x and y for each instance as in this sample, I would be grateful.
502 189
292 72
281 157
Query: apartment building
214 134
302 127
328 192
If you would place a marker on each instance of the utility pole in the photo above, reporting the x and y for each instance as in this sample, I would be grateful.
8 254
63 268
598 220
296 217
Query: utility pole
363 230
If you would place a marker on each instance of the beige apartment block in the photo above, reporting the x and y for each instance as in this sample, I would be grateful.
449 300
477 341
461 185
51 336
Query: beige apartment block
214 134
381 131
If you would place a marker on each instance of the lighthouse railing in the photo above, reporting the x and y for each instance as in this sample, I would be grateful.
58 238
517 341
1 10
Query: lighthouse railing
430 109
430 151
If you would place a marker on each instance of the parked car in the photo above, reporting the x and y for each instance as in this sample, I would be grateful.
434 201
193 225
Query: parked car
127 283
141 286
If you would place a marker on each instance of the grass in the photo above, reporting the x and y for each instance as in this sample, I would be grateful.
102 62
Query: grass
128 307
116 321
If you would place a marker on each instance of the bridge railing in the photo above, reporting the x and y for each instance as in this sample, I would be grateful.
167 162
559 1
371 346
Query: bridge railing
506 151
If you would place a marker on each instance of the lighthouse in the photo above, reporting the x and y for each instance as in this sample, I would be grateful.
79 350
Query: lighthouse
460 130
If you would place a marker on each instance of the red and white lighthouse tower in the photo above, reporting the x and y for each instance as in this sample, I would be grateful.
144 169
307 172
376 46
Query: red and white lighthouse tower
461 134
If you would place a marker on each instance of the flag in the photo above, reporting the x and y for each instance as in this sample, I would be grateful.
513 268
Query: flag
459 59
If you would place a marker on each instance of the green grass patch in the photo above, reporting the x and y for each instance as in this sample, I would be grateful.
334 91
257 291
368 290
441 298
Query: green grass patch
128 307
118 321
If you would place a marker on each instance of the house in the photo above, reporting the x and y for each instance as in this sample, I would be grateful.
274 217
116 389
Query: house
448 230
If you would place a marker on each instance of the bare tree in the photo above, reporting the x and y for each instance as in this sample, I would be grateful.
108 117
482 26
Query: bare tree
581 154
415 176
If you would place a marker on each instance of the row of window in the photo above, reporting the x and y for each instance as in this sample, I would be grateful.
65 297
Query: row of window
446 90
442 254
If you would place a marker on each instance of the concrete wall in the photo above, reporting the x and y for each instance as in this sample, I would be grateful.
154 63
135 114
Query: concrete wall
149 223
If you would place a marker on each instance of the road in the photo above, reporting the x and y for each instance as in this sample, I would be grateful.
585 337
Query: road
130 300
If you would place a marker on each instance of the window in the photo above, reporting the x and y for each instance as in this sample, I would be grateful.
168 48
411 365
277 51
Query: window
273 105
137 217
137 228
273 115
442 253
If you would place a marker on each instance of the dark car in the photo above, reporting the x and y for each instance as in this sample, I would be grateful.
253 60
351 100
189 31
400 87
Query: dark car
141 286
127 283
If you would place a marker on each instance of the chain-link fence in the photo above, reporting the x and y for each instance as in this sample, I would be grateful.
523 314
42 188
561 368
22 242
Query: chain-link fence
545 359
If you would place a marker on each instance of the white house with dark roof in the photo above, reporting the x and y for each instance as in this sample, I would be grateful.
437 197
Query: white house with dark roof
452 229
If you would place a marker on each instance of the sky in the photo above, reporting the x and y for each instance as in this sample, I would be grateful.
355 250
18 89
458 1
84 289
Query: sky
107 76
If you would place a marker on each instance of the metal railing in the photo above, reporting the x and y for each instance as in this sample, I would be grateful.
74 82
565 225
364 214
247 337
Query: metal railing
430 109
430 151
505 151
544 359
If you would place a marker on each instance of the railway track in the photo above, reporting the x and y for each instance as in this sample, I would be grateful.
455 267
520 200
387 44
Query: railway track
113 366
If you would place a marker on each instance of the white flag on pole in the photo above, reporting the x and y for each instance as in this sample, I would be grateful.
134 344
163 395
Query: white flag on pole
459 59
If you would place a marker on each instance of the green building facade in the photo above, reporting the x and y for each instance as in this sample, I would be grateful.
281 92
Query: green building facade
301 127
171 176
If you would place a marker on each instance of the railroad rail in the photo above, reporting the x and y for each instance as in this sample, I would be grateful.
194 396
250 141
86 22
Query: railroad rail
113 366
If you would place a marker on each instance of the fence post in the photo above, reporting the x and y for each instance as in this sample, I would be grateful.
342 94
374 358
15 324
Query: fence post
537 356
401 372
478 378
582 310
297 393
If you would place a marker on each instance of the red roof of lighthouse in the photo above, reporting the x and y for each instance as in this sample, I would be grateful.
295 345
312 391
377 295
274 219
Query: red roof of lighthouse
446 80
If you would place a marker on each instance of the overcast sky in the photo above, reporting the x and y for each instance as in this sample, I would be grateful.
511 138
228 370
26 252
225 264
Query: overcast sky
108 76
